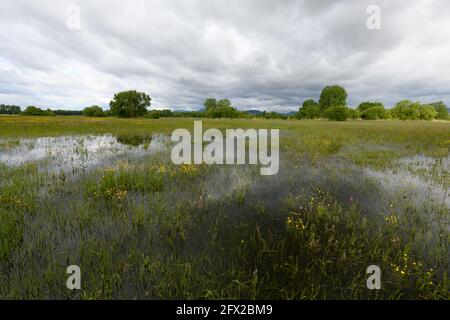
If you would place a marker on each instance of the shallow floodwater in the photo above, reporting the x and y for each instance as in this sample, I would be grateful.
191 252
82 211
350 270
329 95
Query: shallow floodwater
420 179
73 154
416 188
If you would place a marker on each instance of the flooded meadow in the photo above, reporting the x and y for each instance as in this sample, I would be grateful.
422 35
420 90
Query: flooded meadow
141 227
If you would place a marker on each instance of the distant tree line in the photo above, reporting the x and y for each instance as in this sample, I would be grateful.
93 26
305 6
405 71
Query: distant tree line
332 105
68 112
167 113
9 109
35 111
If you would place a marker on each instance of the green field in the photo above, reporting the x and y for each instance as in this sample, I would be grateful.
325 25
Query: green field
102 193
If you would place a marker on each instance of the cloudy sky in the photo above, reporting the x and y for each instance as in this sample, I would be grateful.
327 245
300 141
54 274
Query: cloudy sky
262 54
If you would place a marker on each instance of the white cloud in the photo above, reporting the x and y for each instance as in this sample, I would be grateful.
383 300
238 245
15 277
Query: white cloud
261 54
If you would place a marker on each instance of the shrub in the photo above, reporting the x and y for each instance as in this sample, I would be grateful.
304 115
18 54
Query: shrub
441 109
427 112
406 110
35 111
366 105
156 114
374 113
93 111
352 113
220 109
309 110
336 113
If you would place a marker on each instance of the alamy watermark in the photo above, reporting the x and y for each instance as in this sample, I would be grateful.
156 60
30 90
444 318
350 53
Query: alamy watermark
73 17
374 19
74 280
231 151
374 280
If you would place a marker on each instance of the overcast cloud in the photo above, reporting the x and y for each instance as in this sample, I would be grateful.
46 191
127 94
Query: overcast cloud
267 55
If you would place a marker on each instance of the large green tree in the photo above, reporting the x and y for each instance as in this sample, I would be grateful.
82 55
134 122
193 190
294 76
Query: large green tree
332 96
224 103
210 104
219 109
130 104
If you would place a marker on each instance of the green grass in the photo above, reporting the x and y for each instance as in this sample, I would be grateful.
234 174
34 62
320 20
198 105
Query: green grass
145 228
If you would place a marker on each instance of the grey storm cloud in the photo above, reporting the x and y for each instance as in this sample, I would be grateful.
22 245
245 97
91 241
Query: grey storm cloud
268 55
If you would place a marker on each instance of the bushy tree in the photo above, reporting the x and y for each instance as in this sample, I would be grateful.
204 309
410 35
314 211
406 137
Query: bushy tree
35 111
224 103
220 109
32 110
309 103
427 112
210 104
93 111
309 110
336 113
332 96
406 110
366 105
352 113
374 113
130 104
441 109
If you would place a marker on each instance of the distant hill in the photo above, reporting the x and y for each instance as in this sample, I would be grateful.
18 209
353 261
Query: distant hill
254 112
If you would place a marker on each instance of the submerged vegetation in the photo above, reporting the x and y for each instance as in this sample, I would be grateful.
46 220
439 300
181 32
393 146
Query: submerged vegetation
347 195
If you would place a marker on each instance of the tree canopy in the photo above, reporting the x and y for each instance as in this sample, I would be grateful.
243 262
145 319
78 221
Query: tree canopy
441 109
94 111
210 104
332 96
130 104
219 109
